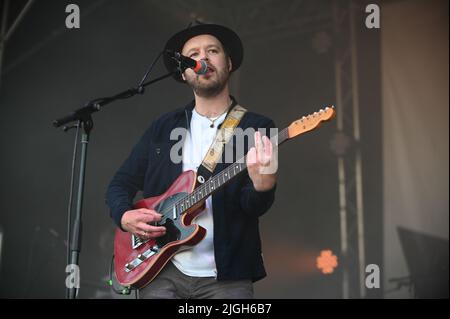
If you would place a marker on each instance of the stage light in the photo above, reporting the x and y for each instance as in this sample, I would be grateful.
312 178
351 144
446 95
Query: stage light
326 261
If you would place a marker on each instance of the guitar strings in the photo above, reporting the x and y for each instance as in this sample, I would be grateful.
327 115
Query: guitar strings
282 136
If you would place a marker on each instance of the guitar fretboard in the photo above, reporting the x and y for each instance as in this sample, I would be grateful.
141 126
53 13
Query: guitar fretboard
220 179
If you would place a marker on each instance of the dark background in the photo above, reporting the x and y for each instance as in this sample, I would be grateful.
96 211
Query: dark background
49 70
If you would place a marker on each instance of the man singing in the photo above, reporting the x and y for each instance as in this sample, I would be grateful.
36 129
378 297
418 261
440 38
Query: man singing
229 259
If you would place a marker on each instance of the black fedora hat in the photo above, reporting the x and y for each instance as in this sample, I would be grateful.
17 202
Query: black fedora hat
229 39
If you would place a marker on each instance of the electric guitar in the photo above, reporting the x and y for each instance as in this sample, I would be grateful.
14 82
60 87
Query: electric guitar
138 261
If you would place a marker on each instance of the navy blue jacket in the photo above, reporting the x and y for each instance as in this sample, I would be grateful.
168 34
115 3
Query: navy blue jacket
236 206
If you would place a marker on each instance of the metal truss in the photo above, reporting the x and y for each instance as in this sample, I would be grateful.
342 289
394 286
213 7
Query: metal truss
346 145
5 32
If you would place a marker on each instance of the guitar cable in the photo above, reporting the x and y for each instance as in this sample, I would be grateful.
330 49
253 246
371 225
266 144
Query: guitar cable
112 282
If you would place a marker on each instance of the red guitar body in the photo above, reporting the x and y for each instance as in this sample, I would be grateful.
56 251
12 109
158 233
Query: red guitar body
137 262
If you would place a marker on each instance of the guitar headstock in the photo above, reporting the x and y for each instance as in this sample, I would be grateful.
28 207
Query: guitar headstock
310 122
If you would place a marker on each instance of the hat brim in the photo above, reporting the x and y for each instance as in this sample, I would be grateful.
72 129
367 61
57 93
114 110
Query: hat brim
229 39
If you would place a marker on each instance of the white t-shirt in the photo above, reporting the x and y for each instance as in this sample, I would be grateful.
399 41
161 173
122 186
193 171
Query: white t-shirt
199 261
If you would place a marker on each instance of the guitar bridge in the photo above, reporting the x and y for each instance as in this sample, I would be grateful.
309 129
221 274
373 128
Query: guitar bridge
141 258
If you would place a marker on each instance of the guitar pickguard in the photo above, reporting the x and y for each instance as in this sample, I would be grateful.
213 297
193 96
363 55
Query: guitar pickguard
171 219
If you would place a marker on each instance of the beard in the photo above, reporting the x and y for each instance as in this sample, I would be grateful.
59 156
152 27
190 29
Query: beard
209 87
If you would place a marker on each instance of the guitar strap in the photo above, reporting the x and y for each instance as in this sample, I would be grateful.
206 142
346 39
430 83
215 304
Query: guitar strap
215 151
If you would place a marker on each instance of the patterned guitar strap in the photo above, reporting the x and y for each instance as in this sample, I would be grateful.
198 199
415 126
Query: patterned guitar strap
215 151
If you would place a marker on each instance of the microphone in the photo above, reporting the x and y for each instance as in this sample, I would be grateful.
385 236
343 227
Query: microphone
199 67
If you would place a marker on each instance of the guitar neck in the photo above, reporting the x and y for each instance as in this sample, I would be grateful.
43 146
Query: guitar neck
220 179
303 125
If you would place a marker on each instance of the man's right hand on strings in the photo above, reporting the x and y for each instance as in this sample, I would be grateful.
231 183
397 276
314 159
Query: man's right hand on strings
137 222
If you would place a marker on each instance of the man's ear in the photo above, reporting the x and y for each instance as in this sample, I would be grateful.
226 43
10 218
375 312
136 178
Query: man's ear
230 65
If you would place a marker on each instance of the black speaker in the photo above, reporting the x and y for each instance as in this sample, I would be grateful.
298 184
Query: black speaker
427 261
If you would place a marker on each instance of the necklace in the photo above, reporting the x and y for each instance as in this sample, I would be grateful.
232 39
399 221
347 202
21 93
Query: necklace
213 120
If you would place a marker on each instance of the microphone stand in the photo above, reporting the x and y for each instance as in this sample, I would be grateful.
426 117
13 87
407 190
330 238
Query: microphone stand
83 117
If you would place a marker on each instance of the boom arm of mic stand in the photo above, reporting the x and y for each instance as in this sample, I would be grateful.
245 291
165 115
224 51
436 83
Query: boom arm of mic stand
82 114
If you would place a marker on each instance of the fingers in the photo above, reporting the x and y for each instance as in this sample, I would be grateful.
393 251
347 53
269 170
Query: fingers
258 146
262 152
251 157
268 147
151 229
147 231
151 235
149 215
136 221
264 149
